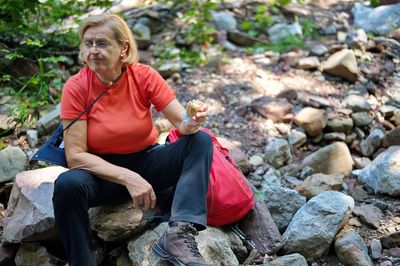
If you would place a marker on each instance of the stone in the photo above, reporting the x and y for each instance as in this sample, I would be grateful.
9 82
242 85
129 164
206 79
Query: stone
335 136
32 137
270 108
361 162
317 183
49 122
379 21
341 124
280 31
321 160
383 174
224 20
309 63
316 223
282 203
391 241
312 120
356 103
361 119
392 138
376 248
351 249
369 215
278 152
319 50
29 215
33 253
297 138
342 64
12 161
241 38
287 260
256 160
372 143
142 35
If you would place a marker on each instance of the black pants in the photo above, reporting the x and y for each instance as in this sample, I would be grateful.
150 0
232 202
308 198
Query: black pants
184 164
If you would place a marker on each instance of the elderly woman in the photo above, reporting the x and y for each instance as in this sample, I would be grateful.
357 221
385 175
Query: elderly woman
112 150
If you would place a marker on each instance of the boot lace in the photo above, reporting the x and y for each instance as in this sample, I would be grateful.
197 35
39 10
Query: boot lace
188 232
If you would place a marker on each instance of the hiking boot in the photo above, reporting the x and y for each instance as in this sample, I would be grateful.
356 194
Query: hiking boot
259 225
178 246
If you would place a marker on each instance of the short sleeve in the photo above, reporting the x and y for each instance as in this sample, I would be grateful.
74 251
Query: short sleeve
157 89
73 99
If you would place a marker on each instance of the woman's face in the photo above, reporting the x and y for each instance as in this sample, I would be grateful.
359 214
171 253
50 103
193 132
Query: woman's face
101 50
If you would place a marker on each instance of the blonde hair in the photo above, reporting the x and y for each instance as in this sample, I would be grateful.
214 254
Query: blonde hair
119 28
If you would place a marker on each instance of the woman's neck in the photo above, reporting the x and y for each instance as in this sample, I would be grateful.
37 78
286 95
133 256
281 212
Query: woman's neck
110 78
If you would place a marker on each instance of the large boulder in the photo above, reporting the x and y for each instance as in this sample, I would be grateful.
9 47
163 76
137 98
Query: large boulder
29 214
315 225
383 174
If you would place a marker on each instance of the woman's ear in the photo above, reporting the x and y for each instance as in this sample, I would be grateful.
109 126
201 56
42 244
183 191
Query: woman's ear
125 49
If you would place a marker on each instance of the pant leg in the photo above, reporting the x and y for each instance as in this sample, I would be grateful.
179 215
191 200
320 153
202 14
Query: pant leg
186 165
74 192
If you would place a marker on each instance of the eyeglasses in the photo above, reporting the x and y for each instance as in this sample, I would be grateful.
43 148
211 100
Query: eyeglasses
98 45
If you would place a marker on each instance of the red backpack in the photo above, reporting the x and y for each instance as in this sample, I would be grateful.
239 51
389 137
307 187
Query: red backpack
229 196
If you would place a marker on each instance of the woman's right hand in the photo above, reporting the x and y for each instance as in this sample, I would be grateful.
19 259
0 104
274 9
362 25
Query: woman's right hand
141 191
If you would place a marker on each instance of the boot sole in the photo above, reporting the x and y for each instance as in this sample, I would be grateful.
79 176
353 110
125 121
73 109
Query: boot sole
165 256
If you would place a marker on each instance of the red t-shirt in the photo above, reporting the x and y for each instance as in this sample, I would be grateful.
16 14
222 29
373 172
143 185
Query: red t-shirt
120 121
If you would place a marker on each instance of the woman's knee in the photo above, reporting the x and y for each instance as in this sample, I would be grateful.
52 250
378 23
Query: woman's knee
69 183
203 139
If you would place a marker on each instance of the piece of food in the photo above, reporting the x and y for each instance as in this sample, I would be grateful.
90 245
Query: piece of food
193 107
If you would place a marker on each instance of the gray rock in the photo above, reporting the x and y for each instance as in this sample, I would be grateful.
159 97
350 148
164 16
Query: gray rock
319 50
282 203
272 178
32 137
29 215
7 124
361 119
369 215
380 20
142 35
12 161
315 225
281 31
335 136
224 20
342 64
278 152
383 174
351 249
342 124
372 143
241 38
356 103
34 254
169 68
388 111
49 122
288 260
297 138
357 38
376 248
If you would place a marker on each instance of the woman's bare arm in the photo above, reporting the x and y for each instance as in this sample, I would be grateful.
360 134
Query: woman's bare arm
75 142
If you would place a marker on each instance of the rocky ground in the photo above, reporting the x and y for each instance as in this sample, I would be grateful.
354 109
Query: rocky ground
258 100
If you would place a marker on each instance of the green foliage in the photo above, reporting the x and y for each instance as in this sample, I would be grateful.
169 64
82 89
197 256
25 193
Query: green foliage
259 23
375 2
35 30
310 29
281 47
